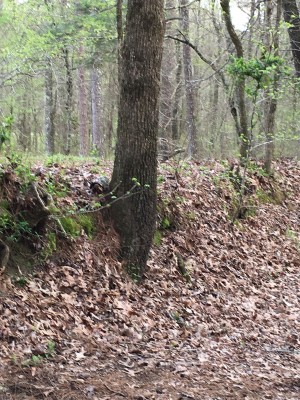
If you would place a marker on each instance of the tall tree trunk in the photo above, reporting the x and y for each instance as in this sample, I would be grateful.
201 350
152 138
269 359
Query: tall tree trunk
49 109
69 103
189 87
291 16
272 45
96 106
134 215
167 84
177 94
238 109
83 116
119 16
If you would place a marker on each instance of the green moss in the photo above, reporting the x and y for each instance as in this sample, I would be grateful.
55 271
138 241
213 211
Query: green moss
4 204
157 239
264 197
71 226
75 224
275 196
191 215
165 223
86 222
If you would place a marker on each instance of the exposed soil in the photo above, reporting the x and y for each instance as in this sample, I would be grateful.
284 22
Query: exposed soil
217 316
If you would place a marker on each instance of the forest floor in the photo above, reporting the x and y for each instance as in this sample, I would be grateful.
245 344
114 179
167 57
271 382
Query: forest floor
217 316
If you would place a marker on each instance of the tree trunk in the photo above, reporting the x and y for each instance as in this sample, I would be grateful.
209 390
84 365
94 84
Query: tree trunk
83 116
272 45
134 215
49 109
96 106
189 87
238 109
177 94
69 103
291 16
167 73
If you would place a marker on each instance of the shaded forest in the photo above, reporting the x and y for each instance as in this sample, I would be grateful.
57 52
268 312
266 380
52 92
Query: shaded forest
149 199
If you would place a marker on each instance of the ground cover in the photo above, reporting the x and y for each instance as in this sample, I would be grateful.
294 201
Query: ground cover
217 316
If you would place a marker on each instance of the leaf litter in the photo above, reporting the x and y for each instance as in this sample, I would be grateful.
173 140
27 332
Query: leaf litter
81 329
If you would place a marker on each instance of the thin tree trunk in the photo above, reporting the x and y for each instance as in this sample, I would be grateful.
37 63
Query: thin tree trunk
134 215
238 110
177 94
96 106
272 45
49 109
189 87
119 16
167 84
83 116
69 103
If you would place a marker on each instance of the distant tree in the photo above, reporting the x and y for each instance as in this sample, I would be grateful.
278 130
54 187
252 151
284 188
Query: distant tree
189 85
291 16
238 107
136 149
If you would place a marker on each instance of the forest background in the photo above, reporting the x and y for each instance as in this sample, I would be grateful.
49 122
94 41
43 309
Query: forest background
59 78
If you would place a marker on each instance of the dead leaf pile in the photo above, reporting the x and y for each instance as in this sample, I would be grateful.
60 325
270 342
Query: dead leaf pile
224 325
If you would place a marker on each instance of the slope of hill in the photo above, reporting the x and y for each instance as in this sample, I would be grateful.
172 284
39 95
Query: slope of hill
217 316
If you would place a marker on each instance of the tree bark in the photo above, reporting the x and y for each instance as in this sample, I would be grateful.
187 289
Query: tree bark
291 16
49 109
96 109
69 103
238 110
189 87
83 117
134 214
270 106
177 94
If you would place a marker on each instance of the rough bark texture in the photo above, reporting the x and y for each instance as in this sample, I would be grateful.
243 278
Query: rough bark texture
96 111
83 117
189 87
136 150
291 16
49 109
177 95
69 102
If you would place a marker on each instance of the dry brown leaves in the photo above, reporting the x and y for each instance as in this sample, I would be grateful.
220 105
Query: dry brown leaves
231 331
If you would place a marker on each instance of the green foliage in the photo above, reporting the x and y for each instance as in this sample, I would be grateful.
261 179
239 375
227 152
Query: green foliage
21 281
56 188
5 130
36 360
262 70
21 168
13 228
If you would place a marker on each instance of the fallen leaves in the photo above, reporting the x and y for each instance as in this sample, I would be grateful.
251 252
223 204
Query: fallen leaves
231 331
